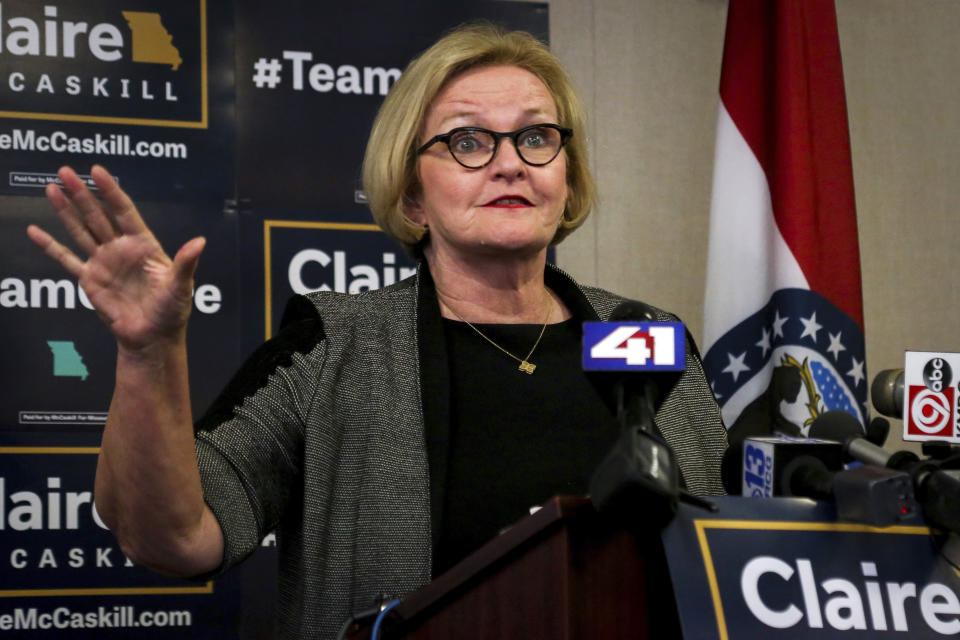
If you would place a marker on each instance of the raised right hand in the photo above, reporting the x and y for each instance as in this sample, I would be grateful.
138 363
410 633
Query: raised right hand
142 295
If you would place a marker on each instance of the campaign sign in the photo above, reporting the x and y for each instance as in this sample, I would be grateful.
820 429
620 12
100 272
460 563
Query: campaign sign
60 359
931 381
311 77
299 252
785 568
633 346
64 574
143 87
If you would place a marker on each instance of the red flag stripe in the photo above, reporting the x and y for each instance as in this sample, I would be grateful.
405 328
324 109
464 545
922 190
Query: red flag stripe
782 84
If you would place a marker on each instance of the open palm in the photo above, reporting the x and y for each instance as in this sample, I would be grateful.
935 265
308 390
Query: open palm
139 292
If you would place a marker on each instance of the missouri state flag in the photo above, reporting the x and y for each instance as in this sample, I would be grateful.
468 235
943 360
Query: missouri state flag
783 313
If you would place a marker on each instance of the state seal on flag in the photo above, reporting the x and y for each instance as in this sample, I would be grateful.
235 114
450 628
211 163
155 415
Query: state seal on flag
784 365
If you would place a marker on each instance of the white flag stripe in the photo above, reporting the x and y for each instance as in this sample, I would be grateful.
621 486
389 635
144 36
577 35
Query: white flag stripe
747 258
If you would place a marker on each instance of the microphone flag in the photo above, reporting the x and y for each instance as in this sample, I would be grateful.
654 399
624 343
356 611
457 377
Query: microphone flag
783 309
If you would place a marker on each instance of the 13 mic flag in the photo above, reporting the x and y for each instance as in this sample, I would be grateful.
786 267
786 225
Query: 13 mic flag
783 313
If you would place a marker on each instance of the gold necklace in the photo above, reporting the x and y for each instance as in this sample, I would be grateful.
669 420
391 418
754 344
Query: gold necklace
525 365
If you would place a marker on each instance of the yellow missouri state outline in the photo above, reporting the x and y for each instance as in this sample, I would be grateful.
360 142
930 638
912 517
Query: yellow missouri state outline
151 41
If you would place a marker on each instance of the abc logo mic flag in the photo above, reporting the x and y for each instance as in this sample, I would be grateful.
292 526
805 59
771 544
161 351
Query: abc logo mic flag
930 410
633 346
783 311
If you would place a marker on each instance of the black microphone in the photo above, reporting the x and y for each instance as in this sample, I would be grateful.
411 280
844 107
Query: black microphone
639 477
936 483
633 311
867 494
807 477
761 468
864 447
835 425
939 449
878 430
640 394
887 392
843 427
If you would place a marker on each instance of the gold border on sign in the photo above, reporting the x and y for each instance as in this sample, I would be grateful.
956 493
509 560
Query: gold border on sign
153 122
92 591
294 224
765 525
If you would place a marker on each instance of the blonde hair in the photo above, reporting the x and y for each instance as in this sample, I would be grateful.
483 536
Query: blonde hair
390 163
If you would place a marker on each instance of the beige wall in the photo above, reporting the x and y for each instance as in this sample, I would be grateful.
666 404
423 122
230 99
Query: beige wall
649 71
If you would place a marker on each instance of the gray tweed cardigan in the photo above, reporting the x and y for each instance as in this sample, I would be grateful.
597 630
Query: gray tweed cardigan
323 435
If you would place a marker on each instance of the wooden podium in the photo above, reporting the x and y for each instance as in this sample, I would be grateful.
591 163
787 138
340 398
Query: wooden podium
564 573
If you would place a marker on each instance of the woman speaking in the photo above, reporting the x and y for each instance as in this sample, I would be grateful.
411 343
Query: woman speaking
383 435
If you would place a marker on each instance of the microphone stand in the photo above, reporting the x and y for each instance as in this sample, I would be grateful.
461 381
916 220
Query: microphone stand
639 478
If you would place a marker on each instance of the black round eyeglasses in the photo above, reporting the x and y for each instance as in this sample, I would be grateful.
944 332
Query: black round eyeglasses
475 148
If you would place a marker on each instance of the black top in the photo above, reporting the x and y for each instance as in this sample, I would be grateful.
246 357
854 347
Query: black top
515 439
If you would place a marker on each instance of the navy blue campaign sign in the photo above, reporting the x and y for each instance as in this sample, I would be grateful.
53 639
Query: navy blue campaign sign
141 86
785 568
294 252
311 76
65 576
308 255
59 359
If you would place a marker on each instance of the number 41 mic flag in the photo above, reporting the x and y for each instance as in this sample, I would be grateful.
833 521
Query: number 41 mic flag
783 313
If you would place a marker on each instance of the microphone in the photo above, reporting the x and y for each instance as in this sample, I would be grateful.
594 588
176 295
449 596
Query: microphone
939 450
835 425
640 470
807 477
633 310
925 394
935 483
843 427
871 494
866 494
638 394
813 468
767 463
878 430
887 392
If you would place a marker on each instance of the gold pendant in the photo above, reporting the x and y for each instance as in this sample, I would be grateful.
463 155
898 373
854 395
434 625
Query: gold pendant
527 367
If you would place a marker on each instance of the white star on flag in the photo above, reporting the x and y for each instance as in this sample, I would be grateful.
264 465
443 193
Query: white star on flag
835 345
856 373
778 323
764 342
810 327
736 366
